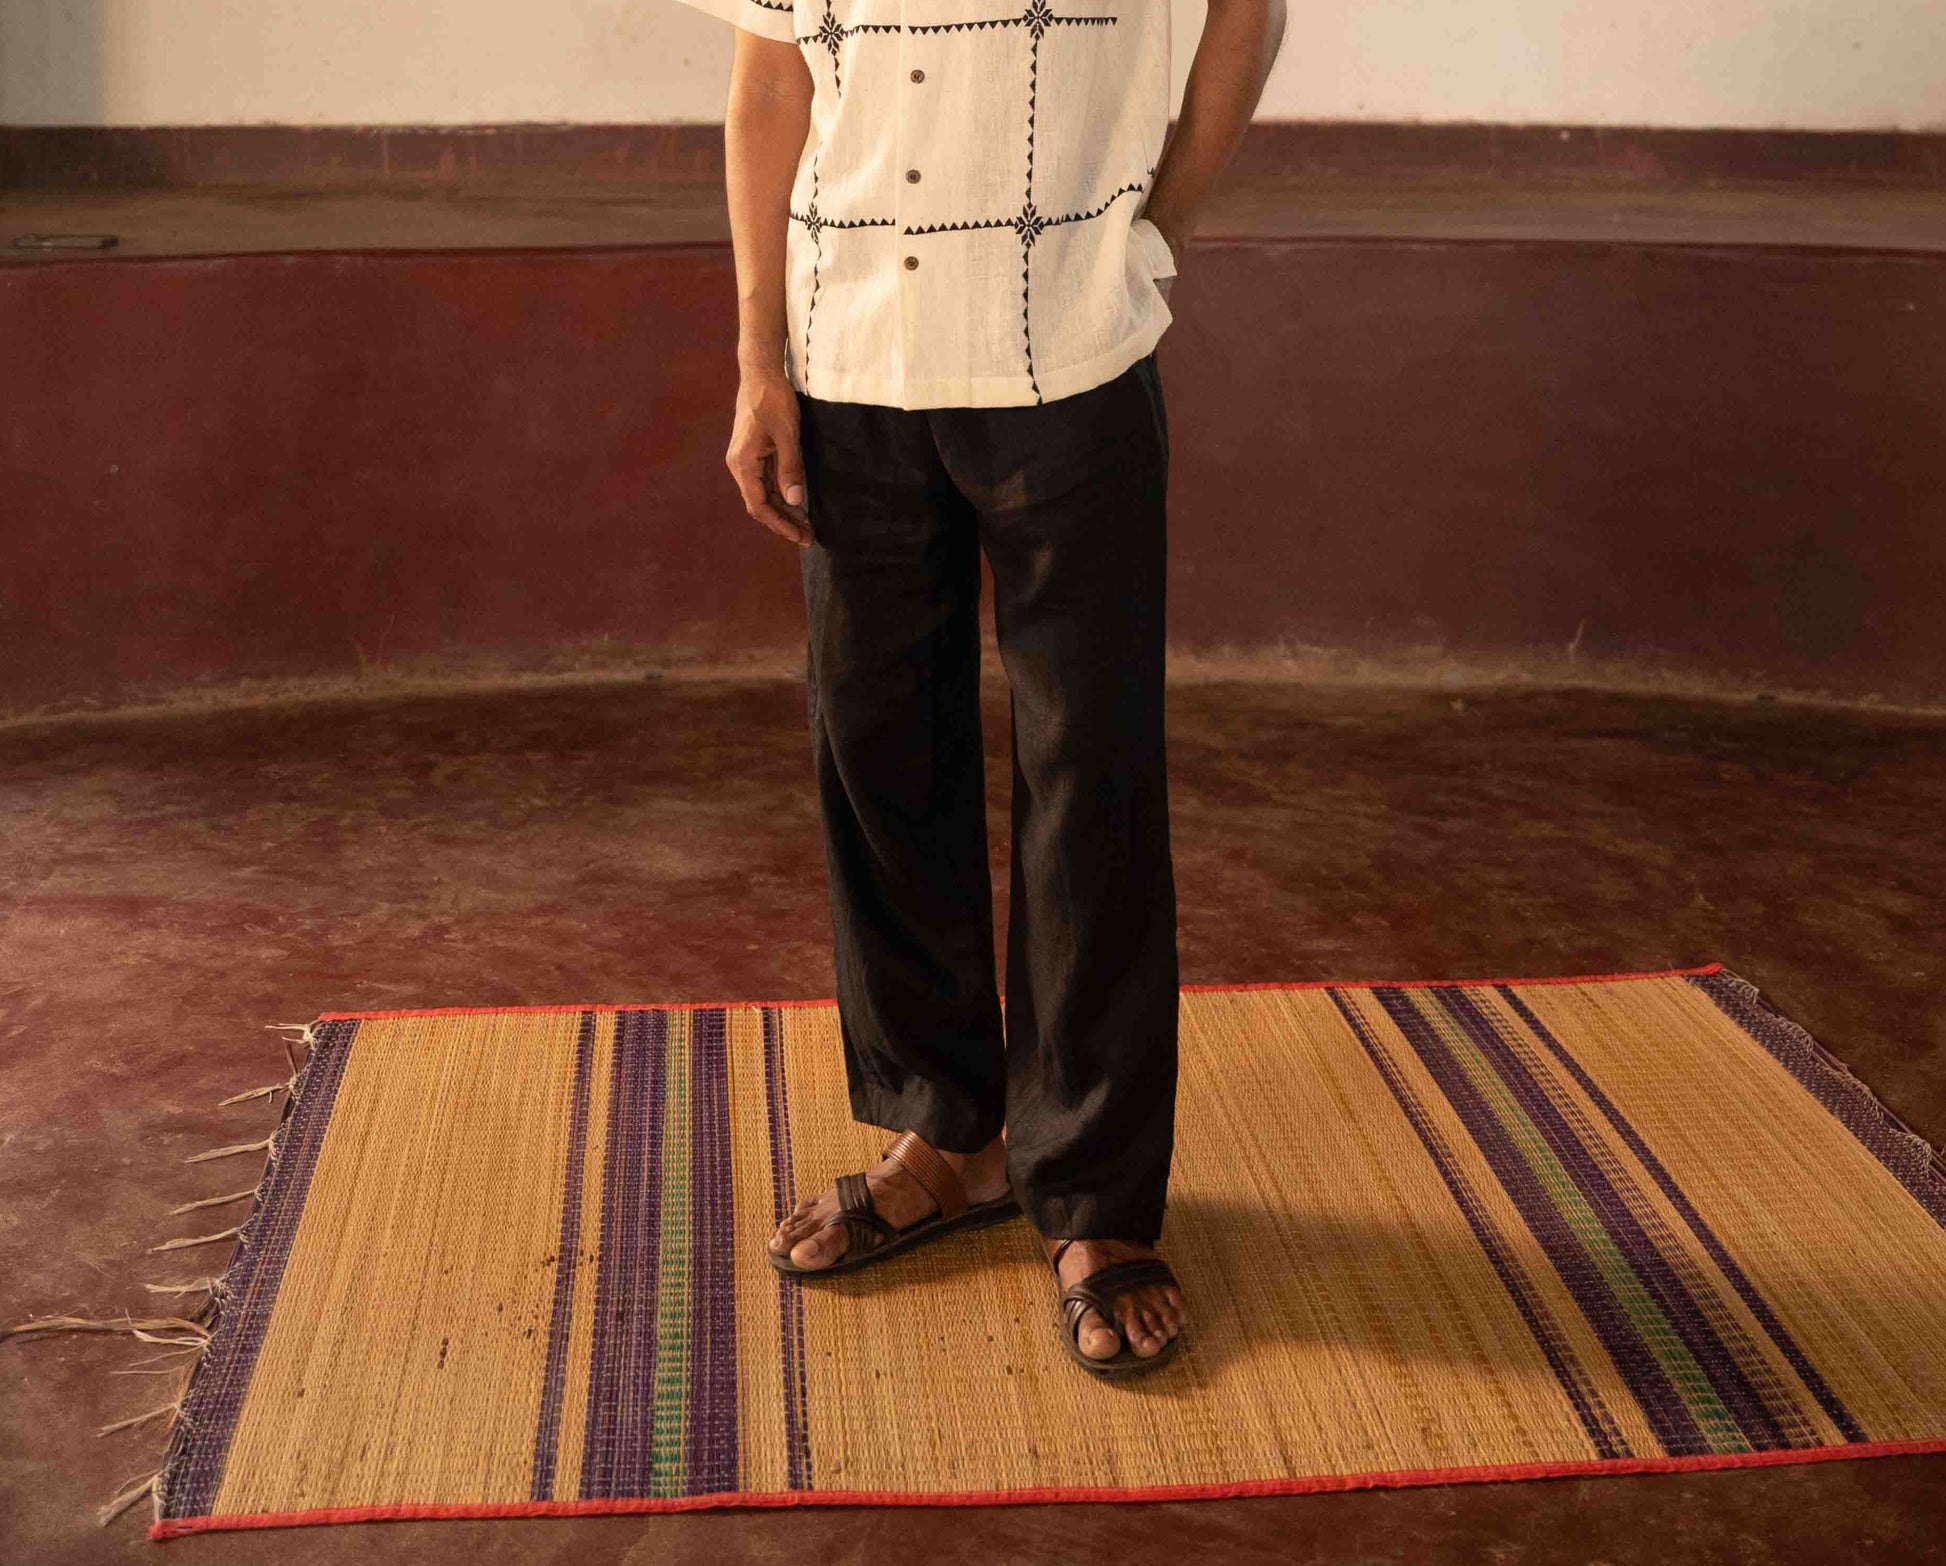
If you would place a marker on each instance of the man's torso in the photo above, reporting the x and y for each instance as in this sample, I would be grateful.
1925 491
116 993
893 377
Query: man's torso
965 225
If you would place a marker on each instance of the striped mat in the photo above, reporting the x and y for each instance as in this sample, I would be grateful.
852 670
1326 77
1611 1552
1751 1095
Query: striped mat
509 1262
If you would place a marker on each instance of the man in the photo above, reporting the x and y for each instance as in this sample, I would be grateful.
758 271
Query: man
955 227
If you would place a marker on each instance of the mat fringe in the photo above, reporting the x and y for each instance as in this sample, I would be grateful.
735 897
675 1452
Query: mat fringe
184 1242
229 1152
128 1497
213 1201
195 1286
187 1336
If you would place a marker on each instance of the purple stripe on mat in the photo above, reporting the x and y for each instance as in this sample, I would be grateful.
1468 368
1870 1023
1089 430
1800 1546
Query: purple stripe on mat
713 1454
547 1433
1638 1247
1603 1434
790 1300
1905 1154
1746 1291
619 1437
192 1467
1661 1403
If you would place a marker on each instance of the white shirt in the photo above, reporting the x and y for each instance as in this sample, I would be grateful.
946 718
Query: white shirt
965 227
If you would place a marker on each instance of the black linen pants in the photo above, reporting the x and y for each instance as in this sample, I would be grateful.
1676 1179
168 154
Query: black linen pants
1067 500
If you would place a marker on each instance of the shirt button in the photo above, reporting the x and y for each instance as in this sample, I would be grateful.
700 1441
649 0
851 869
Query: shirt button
912 263
912 176
918 76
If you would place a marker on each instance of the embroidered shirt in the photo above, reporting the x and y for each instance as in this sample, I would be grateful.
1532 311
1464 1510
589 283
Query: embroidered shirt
965 225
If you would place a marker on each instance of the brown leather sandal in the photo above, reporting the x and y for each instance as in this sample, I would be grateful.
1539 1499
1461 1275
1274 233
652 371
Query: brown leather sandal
1097 1292
873 1238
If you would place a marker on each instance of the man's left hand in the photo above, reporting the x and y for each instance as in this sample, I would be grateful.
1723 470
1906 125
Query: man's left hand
1177 243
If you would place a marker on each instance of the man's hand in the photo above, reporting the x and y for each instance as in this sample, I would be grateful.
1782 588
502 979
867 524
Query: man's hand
765 456
1178 242
1233 58
765 128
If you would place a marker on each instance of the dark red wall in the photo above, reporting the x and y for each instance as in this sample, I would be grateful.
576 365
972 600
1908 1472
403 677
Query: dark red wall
1726 460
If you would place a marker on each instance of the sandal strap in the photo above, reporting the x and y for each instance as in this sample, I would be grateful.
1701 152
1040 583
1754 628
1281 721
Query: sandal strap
869 1229
855 1195
1099 1289
1119 1277
858 1213
935 1176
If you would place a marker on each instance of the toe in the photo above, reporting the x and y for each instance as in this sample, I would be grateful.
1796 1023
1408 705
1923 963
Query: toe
1097 1338
819 1249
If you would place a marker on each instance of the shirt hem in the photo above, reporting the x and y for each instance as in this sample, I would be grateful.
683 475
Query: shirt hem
992 391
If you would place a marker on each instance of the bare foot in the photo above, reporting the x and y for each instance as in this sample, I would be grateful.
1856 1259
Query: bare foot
900 1200
1149 1316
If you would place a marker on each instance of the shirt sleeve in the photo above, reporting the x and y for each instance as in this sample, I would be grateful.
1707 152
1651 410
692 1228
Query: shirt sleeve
766 18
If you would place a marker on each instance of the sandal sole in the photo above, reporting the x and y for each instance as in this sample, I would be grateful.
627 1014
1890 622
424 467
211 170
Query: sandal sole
982 1216
1126 1362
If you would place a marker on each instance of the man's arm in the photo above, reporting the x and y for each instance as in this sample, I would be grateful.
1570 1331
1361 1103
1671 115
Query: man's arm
764 127
1226 79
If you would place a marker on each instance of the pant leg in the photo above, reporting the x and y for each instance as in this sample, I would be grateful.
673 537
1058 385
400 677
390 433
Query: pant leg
892 587
1071 499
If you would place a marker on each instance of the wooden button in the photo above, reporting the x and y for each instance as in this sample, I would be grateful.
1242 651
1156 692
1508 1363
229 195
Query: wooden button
918 76
912 263
912 176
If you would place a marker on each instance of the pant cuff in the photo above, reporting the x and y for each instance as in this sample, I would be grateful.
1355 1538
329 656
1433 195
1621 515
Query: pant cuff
947 1122
1083 1217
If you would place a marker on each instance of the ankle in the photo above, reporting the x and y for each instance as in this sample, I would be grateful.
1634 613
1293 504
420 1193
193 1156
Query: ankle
1108 1250
994 1152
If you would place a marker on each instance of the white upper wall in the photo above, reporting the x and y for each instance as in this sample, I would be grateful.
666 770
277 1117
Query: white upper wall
1807 64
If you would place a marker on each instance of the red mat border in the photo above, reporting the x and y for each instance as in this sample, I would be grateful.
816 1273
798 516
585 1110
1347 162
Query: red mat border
1272 984
1236 1490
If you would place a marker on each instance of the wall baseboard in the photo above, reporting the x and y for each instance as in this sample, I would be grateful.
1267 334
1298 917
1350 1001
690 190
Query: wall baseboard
625 156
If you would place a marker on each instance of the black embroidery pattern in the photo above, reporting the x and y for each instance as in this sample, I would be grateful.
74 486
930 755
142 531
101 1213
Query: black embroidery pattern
817 223
1028 224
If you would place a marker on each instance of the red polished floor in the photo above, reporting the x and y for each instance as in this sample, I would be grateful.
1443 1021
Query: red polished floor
176 881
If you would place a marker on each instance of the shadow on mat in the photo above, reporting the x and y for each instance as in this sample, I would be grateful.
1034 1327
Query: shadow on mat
1387 1292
